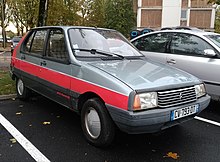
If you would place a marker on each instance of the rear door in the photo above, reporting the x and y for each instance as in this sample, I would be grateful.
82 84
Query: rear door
30 56
55 70
187 53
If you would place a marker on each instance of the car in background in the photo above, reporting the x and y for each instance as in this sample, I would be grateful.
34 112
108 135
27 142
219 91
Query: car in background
181 28
14 42
135 33
194 51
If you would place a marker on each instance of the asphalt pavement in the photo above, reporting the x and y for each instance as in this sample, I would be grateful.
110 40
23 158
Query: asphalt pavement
55 132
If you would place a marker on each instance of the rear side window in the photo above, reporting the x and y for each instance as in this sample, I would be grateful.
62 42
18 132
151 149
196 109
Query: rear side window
187 44
38 42
27 45
56 47
35 43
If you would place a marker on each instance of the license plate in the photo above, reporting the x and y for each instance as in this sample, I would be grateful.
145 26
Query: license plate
183 112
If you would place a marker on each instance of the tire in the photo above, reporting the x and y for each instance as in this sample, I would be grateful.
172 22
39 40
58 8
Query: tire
23 92
97 125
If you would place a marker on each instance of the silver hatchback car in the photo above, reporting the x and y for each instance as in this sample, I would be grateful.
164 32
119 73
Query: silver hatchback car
97 73
196 52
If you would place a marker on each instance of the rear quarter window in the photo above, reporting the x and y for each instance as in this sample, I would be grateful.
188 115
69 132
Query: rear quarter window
35 42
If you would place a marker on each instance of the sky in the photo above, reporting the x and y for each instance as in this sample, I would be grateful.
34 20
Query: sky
11 27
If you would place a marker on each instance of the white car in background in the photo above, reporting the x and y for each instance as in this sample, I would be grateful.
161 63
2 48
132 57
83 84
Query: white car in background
194 51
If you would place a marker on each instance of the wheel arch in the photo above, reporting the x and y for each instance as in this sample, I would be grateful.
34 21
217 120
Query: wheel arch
14 76
86 96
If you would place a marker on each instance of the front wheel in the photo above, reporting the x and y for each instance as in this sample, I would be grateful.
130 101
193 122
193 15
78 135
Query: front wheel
97 125
22 91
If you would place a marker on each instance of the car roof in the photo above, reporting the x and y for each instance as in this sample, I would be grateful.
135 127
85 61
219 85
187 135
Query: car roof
194 32
69 27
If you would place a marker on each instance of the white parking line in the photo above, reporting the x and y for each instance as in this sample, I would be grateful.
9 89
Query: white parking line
207 121
27 145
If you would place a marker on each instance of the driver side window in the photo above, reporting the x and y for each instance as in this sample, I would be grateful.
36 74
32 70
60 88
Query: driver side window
153 43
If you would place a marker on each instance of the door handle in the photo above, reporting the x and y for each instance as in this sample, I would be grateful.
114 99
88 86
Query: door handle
43 63
171 61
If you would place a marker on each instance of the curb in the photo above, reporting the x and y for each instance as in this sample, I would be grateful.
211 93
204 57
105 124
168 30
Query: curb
7 97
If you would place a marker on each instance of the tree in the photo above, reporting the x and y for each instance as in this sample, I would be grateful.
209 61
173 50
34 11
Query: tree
62 12
24 13
2 22
214 1
116 14
42 15
97 14
119 15
217 21
217 16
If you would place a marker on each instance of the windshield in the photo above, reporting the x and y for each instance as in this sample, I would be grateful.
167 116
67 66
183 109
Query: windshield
100 39
214 38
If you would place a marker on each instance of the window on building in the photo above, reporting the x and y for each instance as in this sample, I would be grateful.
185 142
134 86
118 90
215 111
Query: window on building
183 14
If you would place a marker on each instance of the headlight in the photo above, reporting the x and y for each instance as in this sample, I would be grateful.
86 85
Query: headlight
200 90
145 101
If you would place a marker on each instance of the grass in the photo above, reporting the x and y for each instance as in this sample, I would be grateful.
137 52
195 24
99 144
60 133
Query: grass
7 85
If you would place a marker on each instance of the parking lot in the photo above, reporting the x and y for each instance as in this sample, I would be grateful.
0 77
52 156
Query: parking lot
45 131
5 58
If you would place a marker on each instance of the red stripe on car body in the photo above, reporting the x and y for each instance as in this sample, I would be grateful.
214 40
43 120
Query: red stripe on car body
77 85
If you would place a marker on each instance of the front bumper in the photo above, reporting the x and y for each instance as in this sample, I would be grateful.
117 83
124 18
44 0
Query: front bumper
151 121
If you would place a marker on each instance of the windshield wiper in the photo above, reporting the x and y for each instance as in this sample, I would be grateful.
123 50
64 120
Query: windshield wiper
97 51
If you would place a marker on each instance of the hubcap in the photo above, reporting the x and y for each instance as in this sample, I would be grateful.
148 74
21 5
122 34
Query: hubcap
20 87
92 122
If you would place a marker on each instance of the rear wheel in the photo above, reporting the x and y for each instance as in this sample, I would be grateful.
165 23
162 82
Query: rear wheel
23 92
97 125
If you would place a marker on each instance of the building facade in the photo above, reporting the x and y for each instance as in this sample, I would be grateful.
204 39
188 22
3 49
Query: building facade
170 13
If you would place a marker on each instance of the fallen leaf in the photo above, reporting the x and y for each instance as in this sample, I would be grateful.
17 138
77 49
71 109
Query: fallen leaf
172 155
46 123
13 140
18 113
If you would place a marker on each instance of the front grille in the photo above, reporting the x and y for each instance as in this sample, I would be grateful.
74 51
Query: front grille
176 97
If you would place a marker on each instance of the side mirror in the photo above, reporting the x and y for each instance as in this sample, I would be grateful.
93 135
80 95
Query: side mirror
209 52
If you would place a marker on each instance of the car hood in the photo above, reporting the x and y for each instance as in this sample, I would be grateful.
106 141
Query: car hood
142 74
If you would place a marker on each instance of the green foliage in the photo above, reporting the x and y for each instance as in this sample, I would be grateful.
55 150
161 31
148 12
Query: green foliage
217 21
24 13
119 15
7 85
62 12
10 34
115 14
214 2
97 15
